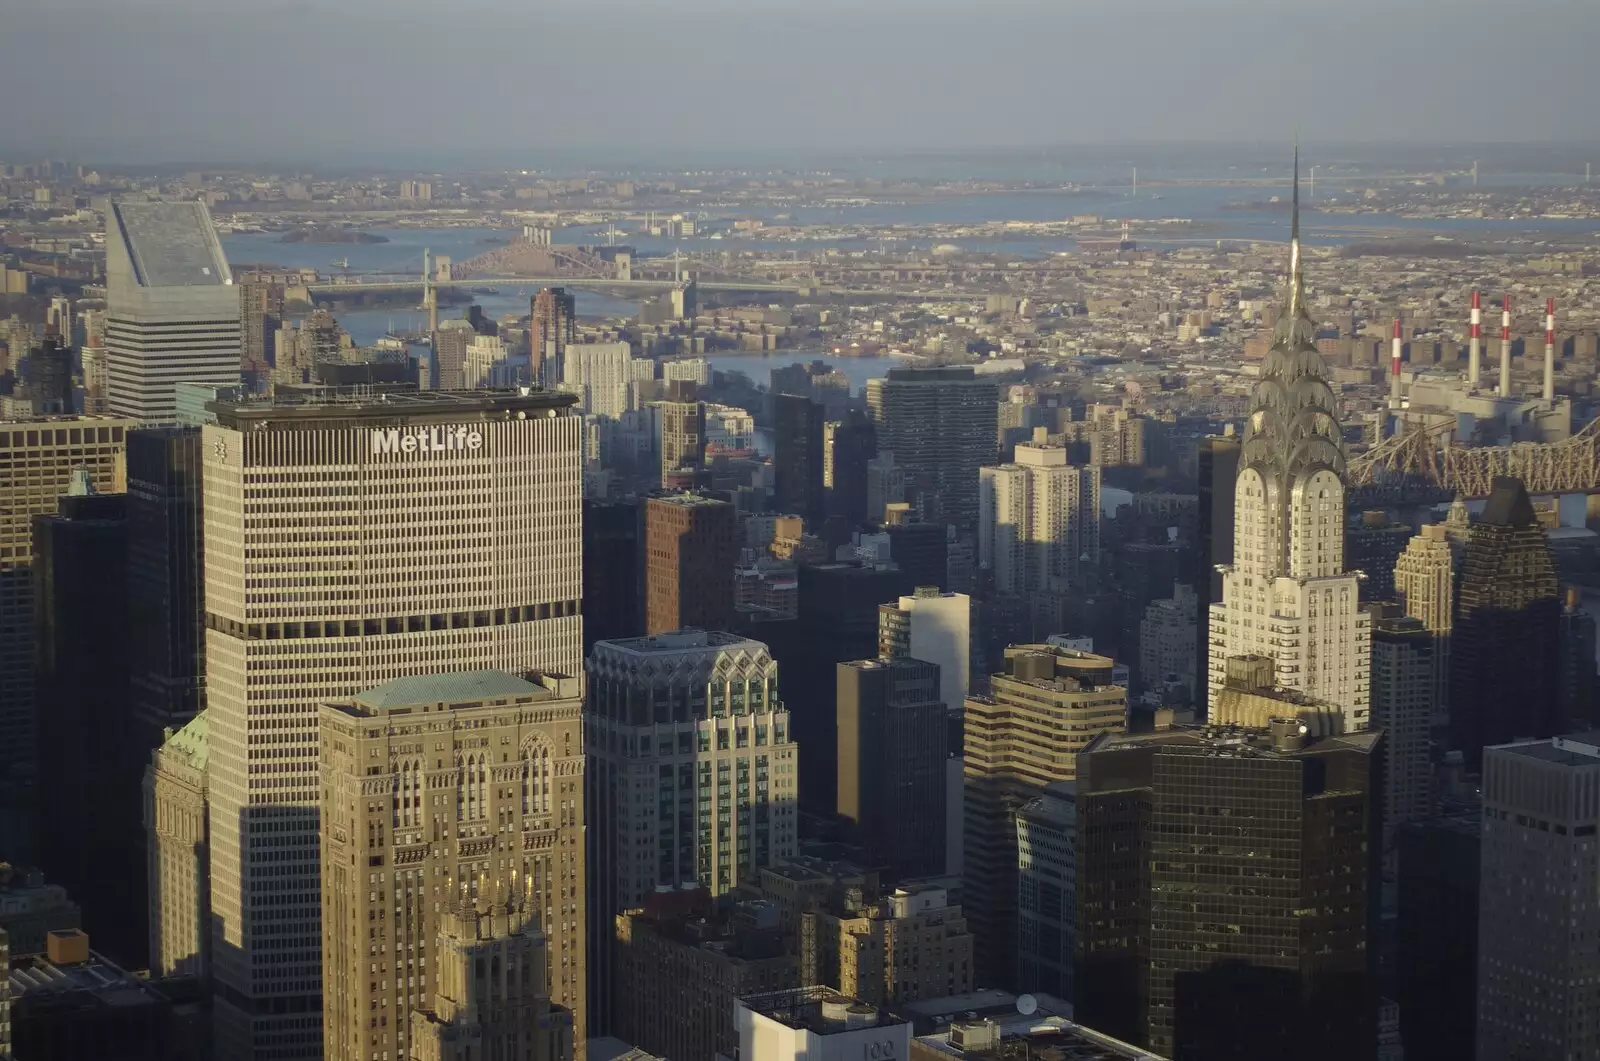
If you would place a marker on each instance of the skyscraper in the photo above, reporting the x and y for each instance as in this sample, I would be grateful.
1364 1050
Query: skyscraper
1436 960
178 882
261 313
1539 924
1375 545
940 424
1039 523
1403 689
1504 659
1288 595
797 464
1047 881
613 607
1425 582
89 762
893 746
1577 680
552 325
689 554
50 450
847 446
669 716
481 804
682 444
1277 830
166 610
1046 707
172 312
450 345
599 374
351 541
1218 469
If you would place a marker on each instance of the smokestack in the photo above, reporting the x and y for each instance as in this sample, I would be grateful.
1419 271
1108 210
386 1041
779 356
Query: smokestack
1394 370
1475 341
1550 350
1505 348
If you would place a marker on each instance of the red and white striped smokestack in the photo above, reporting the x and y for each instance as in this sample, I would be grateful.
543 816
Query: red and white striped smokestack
1505 348
1475 341
1550 350
1394 369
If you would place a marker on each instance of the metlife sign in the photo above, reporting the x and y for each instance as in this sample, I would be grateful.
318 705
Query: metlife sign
412 441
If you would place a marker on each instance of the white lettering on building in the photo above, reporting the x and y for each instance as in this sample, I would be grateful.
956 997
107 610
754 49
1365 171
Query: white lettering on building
427 440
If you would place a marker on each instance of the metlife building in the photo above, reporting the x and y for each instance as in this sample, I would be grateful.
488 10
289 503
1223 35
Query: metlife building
351 541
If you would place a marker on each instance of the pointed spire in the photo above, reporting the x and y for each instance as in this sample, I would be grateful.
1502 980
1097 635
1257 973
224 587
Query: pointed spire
1296 277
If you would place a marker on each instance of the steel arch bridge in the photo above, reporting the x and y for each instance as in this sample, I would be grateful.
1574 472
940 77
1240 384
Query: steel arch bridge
1424 457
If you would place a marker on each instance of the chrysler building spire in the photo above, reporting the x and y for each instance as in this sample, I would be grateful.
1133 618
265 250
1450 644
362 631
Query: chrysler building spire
1287 595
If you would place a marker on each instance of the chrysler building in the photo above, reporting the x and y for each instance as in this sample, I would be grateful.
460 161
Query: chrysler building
1288 595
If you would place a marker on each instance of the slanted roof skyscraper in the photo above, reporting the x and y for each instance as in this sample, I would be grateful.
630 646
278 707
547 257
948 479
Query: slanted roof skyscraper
1288 595
172 312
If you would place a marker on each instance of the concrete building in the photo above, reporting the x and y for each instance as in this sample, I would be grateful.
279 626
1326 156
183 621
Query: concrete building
1248 974
176 824
1045 708
50 450
696 370
684 962
553 324
1167 641
690 550
1018 1036
1288 595
30 910
450 344
309 603
937 627
1047 882
72 1004
457 821
817 1024
682 443
940 424
172 312
493 995
1039 522
692 776
1539 923
600 375
893 750
1505 644
908 945
1403 687
1425 583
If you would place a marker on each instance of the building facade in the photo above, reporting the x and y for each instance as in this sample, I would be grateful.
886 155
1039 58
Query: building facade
600 374
797 457
172 311
1280 831
176 824
893 749
38 459
1045 708
690 550
693 774
349 542
1505 645
166 607
482 803
909 945
1425 582
1047 882
1039 521
1403 706
940 424
552 325
1539 923
1288 594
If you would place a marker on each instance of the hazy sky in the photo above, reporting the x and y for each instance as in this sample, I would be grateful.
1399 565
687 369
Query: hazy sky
337 80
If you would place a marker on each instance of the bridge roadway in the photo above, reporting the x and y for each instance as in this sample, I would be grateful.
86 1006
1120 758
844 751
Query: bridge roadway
1425 458
335 287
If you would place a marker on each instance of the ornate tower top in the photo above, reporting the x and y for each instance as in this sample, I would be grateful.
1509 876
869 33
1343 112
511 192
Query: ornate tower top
1294 427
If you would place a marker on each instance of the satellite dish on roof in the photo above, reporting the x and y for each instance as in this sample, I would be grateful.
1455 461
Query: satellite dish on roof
1027 1005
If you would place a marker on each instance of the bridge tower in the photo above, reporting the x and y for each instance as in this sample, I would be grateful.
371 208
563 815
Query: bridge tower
430 296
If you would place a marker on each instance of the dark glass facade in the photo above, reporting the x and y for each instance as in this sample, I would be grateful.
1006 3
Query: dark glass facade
797 457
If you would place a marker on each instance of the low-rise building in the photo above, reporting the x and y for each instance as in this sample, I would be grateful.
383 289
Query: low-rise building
817 1024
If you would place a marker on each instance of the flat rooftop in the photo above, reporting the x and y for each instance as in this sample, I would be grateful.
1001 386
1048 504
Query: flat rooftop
317 408
171 244
811 1009
683 641
466 689
95 983
1574 749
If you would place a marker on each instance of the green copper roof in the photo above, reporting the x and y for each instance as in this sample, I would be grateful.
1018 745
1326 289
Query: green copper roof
192 743
453 687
